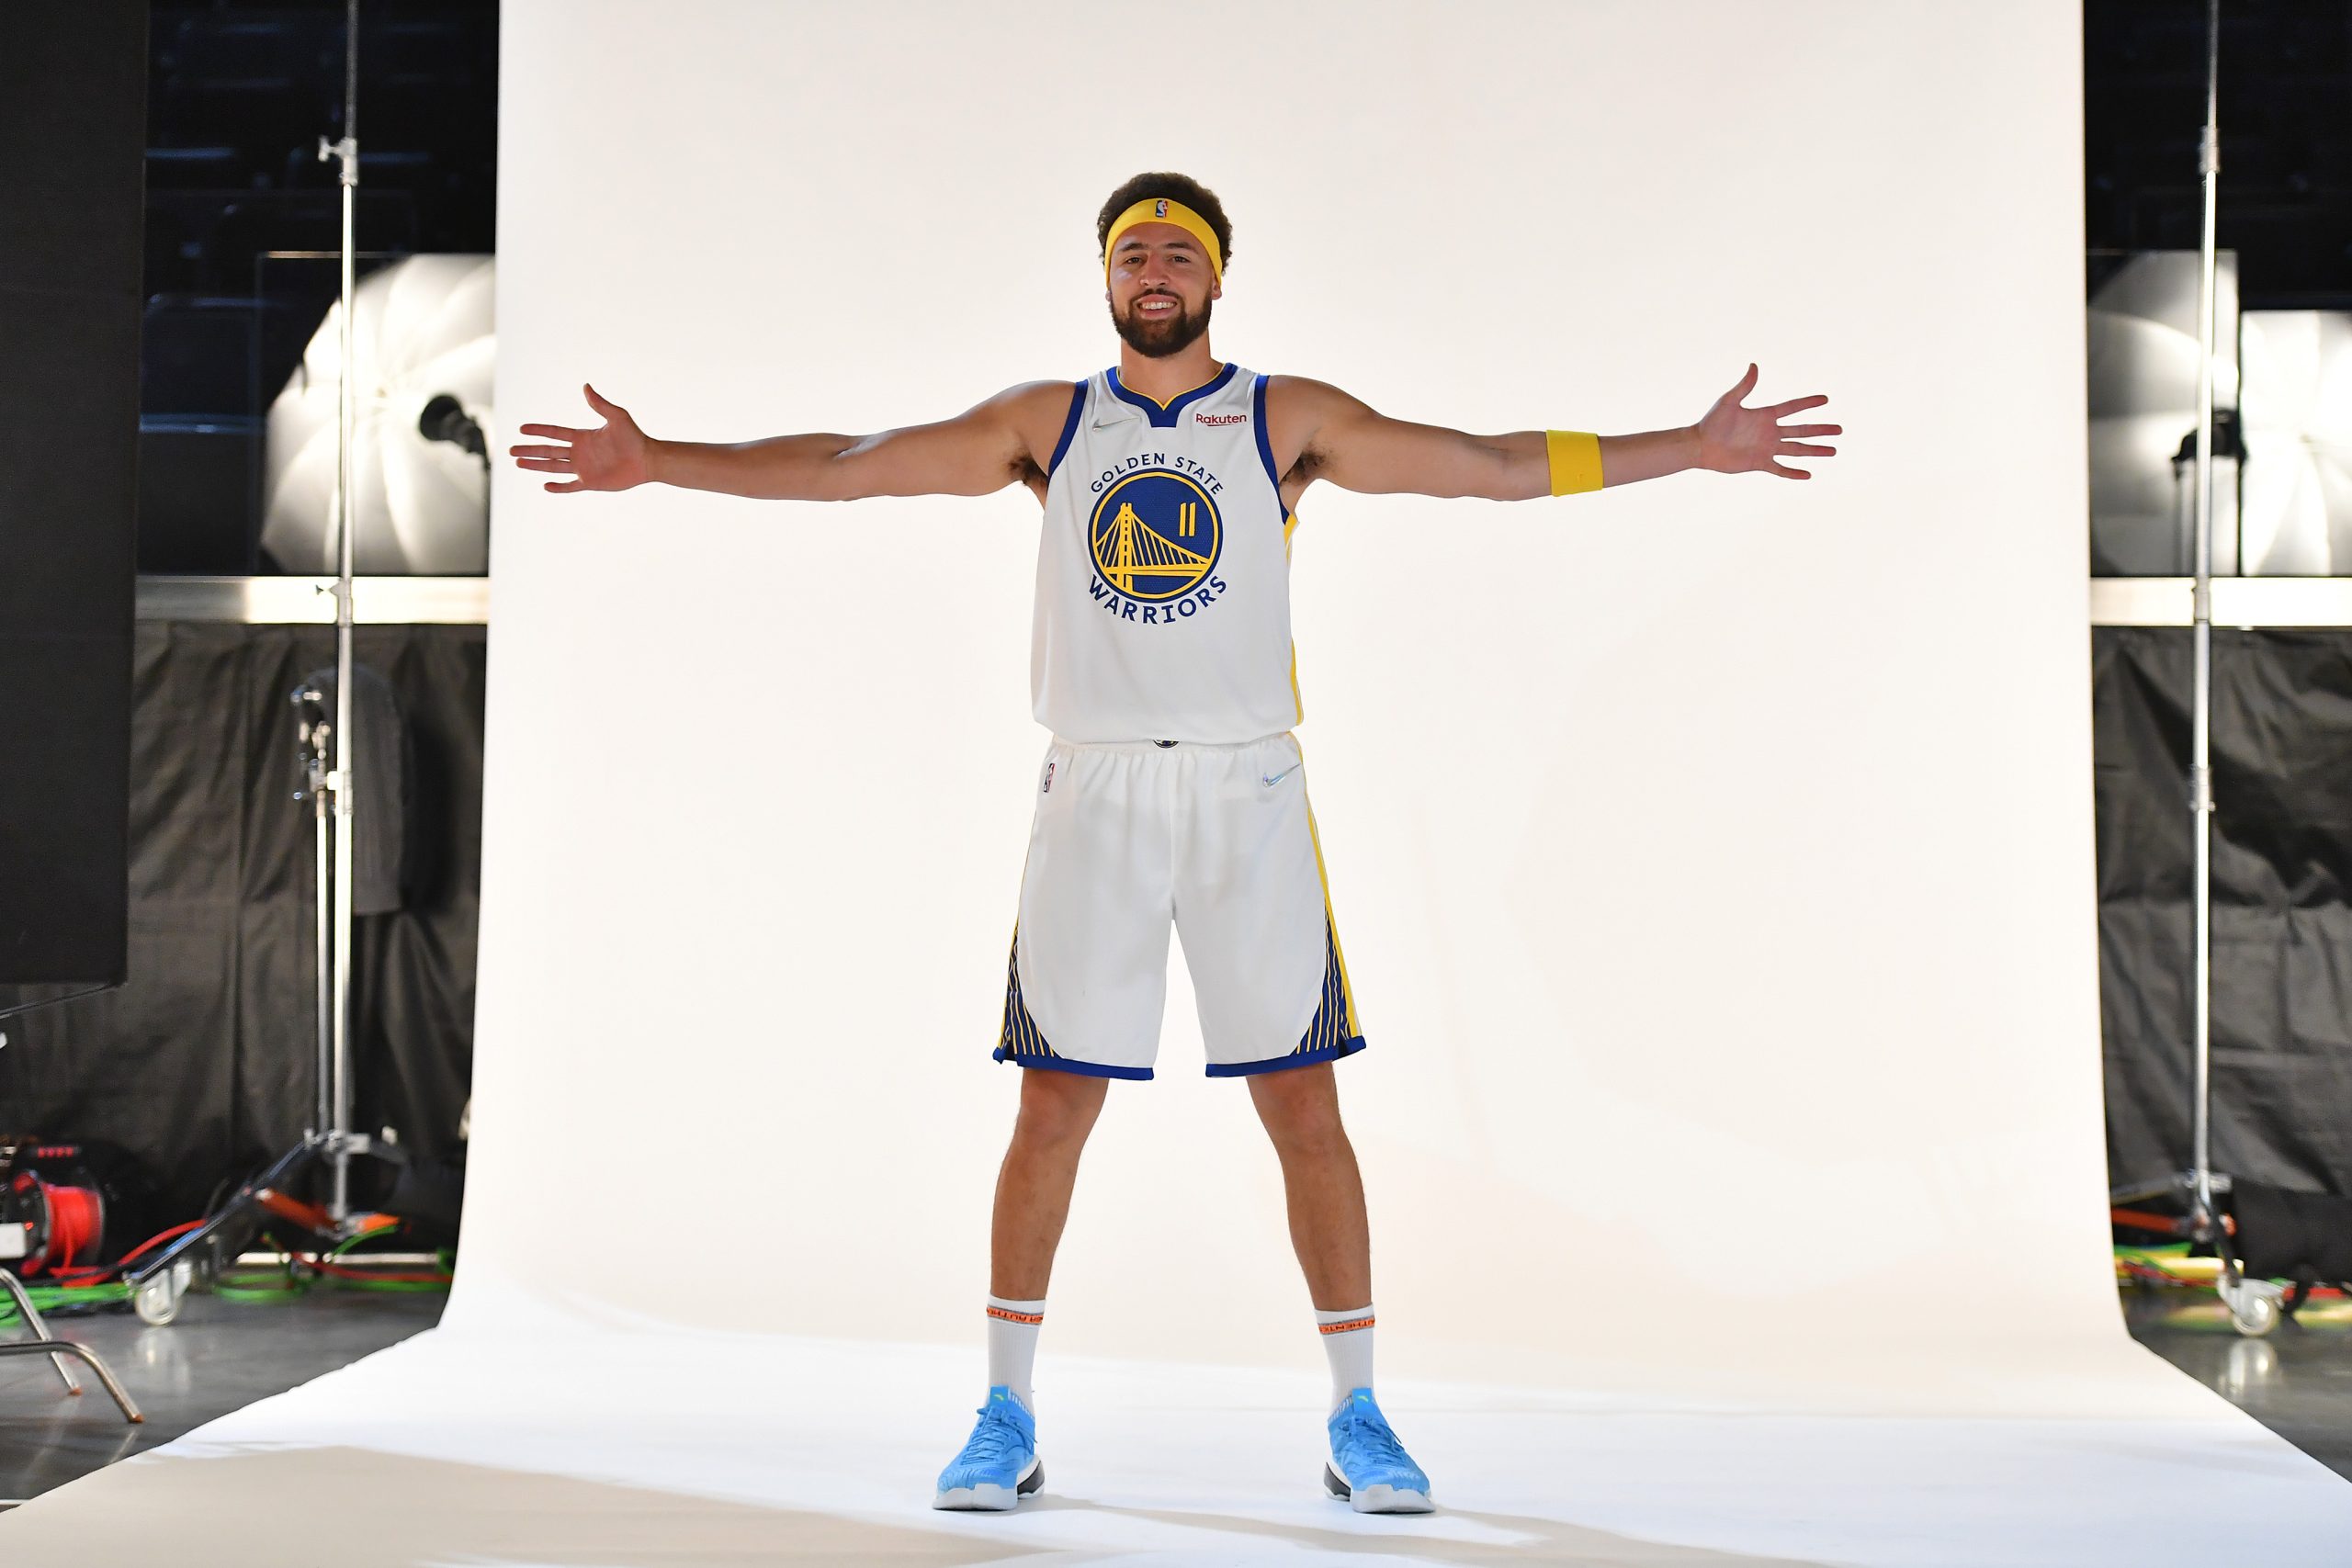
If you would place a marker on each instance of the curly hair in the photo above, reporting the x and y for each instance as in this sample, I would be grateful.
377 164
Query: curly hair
1179 187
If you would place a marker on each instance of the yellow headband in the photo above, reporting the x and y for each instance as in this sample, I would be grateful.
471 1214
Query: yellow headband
1161 209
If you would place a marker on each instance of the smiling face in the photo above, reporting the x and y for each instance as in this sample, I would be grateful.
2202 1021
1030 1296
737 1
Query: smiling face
1159 288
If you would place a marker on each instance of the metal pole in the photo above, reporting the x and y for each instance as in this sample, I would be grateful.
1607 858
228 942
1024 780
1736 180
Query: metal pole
2200 772
323 1005
345 516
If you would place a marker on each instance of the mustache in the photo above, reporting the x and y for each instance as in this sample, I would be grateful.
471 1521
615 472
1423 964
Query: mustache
1169 333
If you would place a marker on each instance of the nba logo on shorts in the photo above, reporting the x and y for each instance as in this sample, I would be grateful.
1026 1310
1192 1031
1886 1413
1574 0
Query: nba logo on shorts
1048 788
1159 208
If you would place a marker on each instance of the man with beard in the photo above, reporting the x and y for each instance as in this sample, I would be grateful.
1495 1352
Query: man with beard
1174 792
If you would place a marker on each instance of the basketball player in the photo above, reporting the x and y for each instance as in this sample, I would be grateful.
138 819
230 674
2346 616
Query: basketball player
1173 791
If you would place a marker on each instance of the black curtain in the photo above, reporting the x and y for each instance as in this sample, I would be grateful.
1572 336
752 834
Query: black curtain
72 133
202 1064
2283 929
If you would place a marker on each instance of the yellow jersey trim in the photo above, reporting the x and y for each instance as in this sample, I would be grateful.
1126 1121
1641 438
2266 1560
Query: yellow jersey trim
1331 920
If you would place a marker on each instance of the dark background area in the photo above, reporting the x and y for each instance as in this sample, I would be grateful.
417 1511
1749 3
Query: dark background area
70 131
238 96
204 1064
2282 902
2282 705
201 1065
2286 112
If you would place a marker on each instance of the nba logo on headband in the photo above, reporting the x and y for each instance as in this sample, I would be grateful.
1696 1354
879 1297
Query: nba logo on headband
1164 209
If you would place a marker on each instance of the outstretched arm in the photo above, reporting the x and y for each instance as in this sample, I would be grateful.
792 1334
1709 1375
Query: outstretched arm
1345 441
1004 440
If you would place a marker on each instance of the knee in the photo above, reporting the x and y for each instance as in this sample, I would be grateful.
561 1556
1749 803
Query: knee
1303 1124
1057 1110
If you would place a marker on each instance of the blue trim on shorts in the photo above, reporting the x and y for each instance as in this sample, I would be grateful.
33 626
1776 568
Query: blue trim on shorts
1022 1043
1276 1064
1066 1064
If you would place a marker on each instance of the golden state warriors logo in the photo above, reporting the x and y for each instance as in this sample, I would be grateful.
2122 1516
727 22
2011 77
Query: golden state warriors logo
1155 536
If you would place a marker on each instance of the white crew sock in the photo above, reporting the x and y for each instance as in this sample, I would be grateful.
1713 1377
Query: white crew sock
1012 1345
1347 1340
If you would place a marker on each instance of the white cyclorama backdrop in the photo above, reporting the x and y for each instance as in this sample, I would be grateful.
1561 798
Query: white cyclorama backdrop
1712 856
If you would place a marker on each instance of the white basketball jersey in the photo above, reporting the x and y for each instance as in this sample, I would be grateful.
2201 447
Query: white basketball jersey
1164 573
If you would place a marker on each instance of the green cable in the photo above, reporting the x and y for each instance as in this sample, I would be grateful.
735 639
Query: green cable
394 1287
46 1298
275 1286
391 1286
247 1285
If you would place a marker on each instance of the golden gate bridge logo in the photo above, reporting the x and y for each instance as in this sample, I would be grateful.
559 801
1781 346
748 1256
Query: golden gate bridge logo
1154 536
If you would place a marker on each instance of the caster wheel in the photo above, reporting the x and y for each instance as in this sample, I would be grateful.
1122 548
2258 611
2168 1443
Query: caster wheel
158 1301
2253 1315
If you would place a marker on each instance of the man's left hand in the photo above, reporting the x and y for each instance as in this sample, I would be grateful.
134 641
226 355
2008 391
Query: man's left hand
1736 440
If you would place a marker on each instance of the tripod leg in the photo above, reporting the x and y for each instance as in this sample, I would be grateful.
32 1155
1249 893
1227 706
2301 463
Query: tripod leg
88 1357
39 1329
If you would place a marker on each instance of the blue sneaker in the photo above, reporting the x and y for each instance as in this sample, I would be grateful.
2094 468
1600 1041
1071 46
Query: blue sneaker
1369 1467
999 1465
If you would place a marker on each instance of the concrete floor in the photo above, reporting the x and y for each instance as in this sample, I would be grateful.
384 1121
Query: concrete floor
215 1357
220 1356
2297 1381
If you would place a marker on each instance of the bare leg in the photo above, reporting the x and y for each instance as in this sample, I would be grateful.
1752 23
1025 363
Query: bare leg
1300 1109
1033 1186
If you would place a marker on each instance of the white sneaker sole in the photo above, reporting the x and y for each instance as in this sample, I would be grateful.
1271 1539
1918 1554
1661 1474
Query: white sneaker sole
993 1499
1376 1499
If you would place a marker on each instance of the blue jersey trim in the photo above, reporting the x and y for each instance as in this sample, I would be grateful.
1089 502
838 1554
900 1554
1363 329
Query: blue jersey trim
1069 426
1276 1064
1065 1065
1163 416
1265 441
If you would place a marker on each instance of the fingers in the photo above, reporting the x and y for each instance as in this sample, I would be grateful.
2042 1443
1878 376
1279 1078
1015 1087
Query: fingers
1799 449
546 464
1804 430
563 432
1782 469
1794 404
566 488
1747 384
564 452
601 403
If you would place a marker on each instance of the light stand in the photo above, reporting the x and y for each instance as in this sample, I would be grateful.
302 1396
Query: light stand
2255 1304
334 1095
159 1282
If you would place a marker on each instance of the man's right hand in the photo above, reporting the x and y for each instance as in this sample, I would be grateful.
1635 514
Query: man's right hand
615 456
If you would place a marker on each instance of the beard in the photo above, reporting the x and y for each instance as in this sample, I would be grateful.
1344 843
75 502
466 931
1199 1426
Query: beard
1171 334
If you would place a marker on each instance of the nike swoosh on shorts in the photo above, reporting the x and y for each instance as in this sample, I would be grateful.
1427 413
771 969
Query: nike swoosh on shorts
1271 783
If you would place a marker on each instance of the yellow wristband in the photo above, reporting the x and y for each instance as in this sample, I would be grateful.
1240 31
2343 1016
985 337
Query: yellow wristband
1576 460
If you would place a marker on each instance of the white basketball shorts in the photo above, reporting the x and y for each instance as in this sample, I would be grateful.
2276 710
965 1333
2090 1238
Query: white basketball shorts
1218 840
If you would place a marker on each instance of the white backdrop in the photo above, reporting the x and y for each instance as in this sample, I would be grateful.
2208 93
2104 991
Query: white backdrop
1712 856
